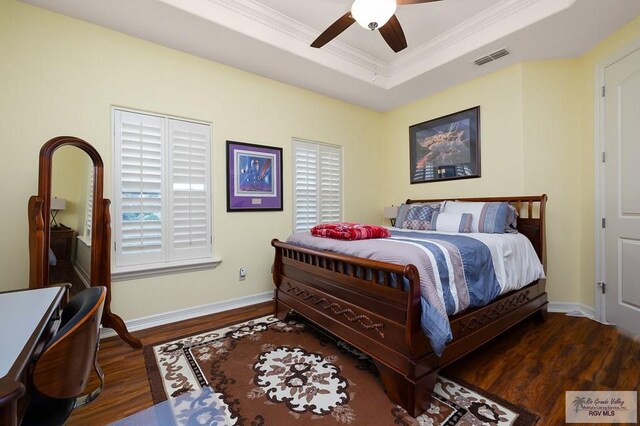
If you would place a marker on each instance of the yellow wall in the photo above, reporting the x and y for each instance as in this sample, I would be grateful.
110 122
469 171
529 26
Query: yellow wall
60 76
499 96
530 132
528 126
553 136
537 121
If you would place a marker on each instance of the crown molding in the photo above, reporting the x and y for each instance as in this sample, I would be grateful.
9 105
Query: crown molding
253 19
253 9
247 35
498 21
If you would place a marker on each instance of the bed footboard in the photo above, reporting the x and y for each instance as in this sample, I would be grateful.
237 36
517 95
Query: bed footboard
374 306
377 304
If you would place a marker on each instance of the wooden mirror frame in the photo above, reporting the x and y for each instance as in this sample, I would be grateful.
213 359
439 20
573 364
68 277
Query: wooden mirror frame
39 230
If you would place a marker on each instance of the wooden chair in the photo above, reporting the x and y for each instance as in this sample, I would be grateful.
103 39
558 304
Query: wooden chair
61 373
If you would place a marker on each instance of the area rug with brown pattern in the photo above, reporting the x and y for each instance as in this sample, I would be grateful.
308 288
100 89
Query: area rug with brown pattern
267 371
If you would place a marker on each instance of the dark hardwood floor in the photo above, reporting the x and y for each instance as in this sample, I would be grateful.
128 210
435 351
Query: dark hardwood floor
531 365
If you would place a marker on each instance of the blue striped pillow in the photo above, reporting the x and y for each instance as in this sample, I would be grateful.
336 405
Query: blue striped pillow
511 226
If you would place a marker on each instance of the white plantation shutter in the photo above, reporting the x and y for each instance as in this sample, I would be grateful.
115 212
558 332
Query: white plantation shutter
330 184
139 193
89 207
305 167
317 184
189 182
162 190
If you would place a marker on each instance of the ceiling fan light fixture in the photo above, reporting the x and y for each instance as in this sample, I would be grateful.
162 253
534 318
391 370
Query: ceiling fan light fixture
373 14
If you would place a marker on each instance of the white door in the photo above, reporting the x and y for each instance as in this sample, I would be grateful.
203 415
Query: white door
622 192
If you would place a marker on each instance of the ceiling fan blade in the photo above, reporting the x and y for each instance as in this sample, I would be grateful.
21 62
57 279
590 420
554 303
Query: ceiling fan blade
334 30
393 34
401 2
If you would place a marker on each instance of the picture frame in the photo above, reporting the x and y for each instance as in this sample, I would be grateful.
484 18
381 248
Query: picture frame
446 148
254 177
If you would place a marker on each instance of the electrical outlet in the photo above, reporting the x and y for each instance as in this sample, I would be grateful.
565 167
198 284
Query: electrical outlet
243 274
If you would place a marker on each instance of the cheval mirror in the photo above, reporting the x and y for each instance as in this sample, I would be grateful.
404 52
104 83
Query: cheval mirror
73 186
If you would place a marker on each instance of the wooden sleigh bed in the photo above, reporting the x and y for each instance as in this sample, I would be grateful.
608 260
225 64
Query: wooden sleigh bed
354 299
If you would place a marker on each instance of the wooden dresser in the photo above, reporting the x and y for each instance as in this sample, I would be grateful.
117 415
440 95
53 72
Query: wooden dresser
61 241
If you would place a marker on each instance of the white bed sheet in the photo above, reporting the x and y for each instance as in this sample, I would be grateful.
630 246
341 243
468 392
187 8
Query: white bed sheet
514 259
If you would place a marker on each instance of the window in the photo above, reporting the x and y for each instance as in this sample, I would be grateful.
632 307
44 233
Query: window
162 193
89 207
317 171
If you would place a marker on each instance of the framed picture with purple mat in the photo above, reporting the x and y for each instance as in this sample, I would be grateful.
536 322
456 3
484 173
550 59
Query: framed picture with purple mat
254 177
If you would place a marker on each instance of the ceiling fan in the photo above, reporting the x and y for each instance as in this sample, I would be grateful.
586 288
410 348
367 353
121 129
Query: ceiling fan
372 15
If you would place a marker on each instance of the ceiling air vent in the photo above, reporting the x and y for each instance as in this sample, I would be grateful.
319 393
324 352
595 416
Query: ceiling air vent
491 57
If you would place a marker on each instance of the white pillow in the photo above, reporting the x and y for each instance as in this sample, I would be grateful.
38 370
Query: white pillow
488 217
451 222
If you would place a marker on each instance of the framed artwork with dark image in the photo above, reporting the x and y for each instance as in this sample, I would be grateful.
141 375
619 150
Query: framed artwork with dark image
446 148
254 177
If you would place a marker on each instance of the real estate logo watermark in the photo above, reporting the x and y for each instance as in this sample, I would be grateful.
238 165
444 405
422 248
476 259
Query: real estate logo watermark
601 407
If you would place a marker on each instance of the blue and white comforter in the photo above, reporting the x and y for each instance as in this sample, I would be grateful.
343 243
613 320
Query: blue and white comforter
457 271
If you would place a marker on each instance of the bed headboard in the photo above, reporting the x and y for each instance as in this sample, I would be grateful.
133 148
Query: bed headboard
530 217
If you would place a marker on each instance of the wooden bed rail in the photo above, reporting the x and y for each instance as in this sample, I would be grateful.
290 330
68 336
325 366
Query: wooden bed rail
382 280
344 264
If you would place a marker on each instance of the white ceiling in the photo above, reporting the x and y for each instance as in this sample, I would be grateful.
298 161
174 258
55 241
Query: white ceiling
271 38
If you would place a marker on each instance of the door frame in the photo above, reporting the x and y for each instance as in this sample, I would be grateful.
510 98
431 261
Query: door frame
599 146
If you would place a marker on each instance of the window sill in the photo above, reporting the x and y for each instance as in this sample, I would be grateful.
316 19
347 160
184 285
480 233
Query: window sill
85 240
156 271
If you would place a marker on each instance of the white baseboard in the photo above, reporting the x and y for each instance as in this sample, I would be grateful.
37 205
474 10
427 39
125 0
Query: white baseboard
240 302
82 274
566 307
188 313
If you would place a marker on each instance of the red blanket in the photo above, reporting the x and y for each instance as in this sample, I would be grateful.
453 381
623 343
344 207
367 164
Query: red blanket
349 231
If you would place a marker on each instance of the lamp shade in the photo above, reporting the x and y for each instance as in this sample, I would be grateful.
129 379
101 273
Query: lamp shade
58 204
390 212
372 14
